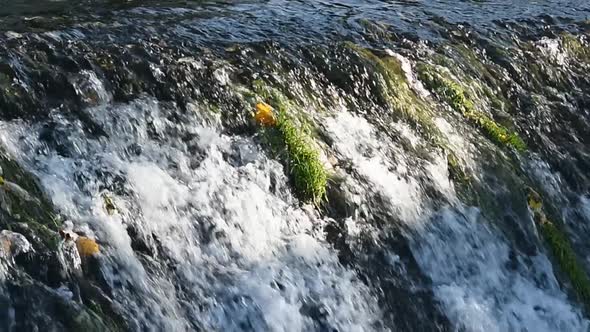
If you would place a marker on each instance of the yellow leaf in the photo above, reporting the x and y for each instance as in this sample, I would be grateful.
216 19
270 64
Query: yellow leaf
86 246
264 115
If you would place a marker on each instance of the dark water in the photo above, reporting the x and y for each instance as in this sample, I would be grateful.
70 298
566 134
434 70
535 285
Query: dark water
441 126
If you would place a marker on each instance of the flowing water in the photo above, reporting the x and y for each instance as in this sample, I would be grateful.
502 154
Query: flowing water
131 123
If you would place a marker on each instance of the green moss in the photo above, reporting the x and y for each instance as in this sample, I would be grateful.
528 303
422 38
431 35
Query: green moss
39 209
456 172
452 93
260 88
567 260
575 47
307 171
49 237
214 109
376 29
471 62
78 318
291 140
294 146
407 104
261 91
398 93
562 251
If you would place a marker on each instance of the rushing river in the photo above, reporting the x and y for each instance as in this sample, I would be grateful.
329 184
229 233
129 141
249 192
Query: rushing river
444 147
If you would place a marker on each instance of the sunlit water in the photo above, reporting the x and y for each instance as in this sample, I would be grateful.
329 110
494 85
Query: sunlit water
225 244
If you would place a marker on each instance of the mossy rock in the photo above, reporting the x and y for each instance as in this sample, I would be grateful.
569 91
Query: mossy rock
398 93
454 94
39 307
309 175
456 171
24 202
561 249
39 210
295 147
292 142
575 47
567 259
26 210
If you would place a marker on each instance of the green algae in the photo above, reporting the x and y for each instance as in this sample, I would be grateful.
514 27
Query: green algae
454 94
27 203
291 140
484 74
309 175
397 91
561 249
27 210
575 47
375 29
456 171
403 99
567 260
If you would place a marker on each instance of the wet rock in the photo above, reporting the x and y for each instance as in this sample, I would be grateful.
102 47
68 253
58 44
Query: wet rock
406 297
337 204
12 35
318 313
13 244
336 234
140 242
46 267
71 256
89 88
38 308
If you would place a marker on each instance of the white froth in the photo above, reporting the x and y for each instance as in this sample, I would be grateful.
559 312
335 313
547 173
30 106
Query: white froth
466 258
552 50
245 255
355 140
468 264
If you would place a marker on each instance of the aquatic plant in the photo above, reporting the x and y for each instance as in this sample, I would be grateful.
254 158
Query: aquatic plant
575 47
288 139
454 94
308 173
456 171
561 249
398 92
566 259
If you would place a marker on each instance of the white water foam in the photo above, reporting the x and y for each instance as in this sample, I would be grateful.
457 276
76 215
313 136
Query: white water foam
552 50
355 140
481 284
239 252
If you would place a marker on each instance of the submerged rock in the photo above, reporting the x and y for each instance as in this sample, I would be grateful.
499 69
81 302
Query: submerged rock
46 288
563 253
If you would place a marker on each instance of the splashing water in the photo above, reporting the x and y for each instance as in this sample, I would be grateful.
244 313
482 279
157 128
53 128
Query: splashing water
231 236
136 120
